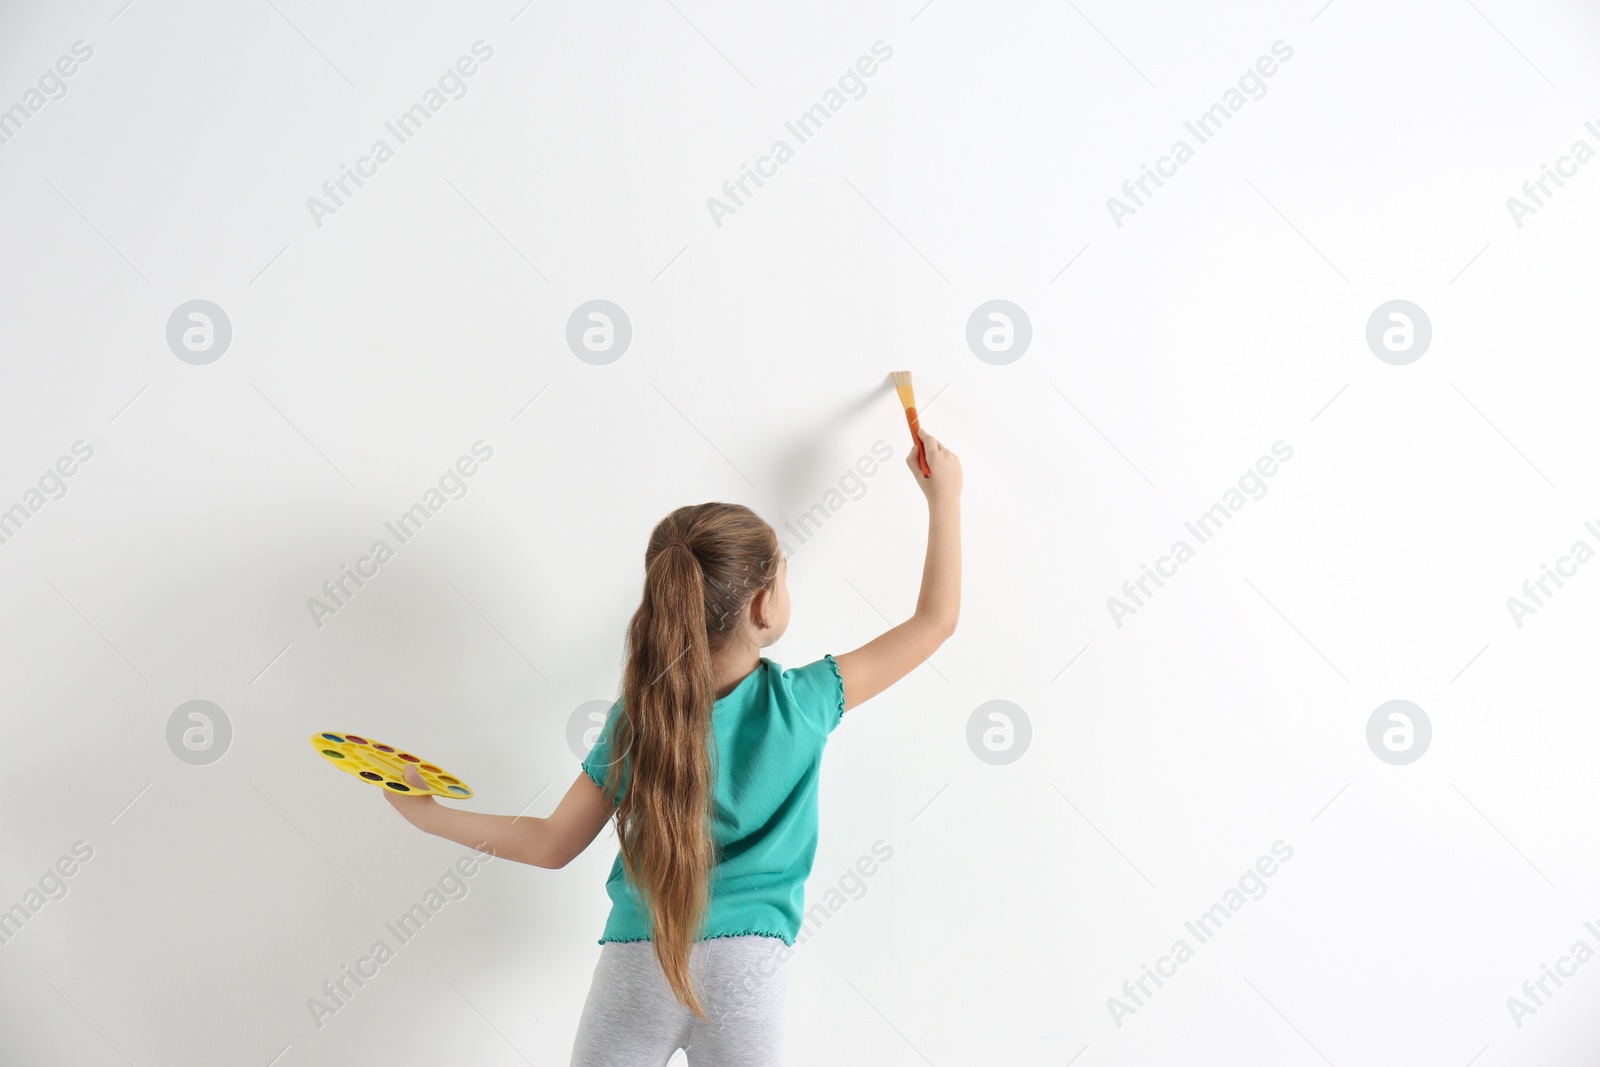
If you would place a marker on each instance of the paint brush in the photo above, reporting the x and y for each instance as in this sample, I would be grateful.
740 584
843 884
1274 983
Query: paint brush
902 385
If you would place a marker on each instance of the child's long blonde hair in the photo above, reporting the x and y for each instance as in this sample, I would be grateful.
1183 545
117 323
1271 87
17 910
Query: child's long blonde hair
694 597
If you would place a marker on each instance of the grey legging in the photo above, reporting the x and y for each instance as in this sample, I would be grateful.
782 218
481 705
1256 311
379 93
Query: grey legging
631 1018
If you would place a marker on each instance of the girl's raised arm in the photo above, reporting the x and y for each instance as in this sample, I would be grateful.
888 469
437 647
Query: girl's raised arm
889 657
553 841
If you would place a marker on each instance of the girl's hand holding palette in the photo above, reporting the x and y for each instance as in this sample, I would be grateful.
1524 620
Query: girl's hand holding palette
385 766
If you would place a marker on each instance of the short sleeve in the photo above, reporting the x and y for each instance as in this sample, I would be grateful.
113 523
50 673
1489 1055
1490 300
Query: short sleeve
597 764
818 688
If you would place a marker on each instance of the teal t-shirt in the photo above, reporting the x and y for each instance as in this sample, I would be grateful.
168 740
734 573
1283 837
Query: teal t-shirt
769 731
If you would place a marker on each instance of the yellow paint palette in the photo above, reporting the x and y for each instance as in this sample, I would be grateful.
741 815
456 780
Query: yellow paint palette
384 765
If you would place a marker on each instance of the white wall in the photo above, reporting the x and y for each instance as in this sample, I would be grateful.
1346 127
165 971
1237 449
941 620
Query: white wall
1170 748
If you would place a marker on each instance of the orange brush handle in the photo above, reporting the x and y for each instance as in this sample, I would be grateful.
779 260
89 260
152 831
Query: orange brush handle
916 436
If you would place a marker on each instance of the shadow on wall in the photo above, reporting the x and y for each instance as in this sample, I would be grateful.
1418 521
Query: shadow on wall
810 461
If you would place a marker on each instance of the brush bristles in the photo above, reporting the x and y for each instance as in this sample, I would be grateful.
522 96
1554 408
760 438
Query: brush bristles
902 385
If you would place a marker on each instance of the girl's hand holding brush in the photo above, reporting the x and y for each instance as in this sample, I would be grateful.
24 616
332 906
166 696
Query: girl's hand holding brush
943 482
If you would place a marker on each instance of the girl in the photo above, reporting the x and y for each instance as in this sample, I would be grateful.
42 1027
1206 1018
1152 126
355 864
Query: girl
709 763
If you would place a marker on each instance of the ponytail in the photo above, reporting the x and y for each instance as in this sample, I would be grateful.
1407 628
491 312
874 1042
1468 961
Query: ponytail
702 565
